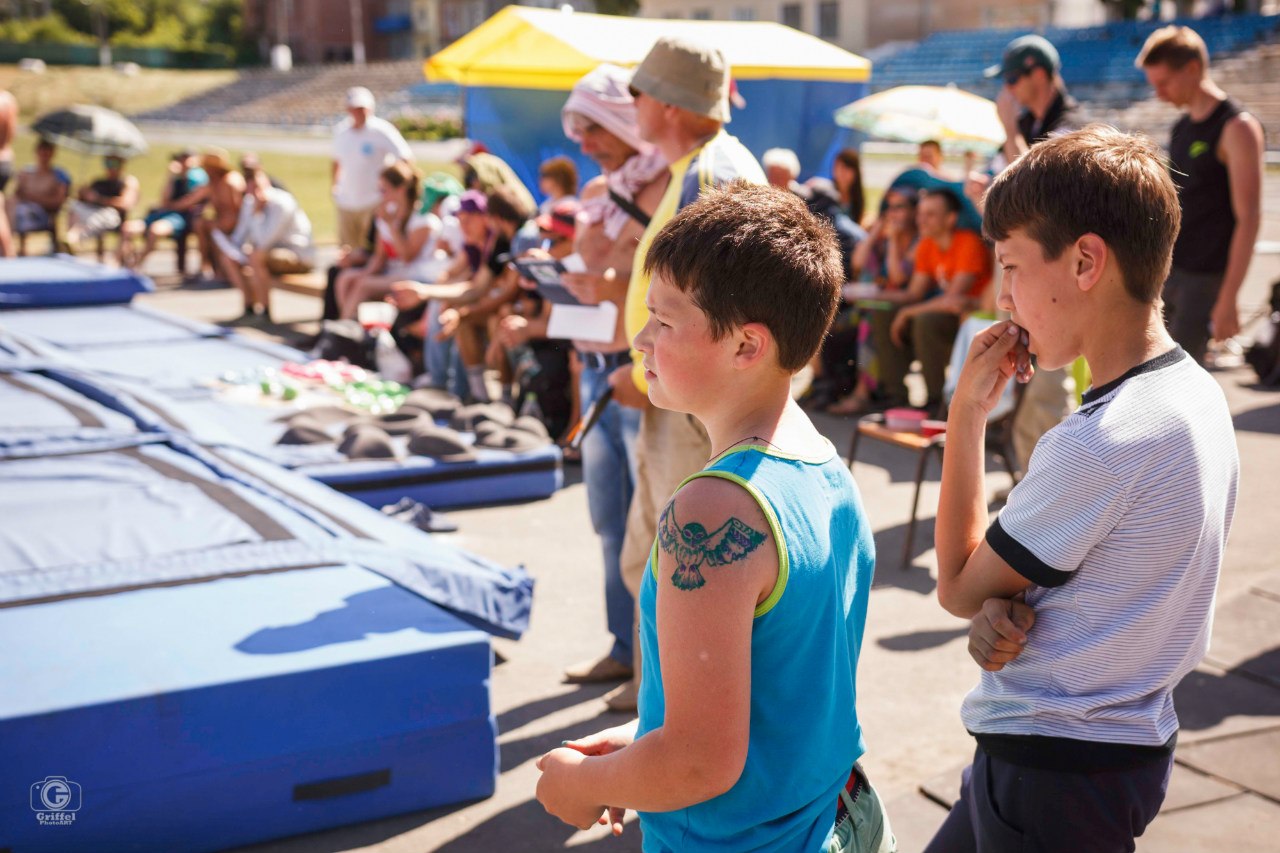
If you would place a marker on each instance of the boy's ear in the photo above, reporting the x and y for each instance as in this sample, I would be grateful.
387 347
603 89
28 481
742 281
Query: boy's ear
1090 259
754 342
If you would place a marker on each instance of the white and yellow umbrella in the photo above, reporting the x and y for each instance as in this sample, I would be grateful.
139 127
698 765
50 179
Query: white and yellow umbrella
957 119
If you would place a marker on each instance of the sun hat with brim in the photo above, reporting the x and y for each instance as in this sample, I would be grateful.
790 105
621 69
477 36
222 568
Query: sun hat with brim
484 429
687 75
400 422
435 401
365 441
1024 53
440 443
322 415
305 432
467 417
515 440
531 425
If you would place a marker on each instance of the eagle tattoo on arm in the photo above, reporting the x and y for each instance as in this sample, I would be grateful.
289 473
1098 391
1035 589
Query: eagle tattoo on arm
692 546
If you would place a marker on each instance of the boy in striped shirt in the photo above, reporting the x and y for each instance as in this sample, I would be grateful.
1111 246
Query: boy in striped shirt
1115 536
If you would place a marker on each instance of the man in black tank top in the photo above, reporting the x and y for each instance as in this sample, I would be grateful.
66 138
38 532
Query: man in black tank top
1215 157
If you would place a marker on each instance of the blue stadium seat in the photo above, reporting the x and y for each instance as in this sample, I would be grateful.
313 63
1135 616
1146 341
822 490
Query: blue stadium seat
1092 57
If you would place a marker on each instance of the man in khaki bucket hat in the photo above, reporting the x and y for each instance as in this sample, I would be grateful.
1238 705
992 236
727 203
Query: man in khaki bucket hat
687 75
681 92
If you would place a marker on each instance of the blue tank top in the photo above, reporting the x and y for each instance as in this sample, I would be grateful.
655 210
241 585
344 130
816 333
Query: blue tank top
805 642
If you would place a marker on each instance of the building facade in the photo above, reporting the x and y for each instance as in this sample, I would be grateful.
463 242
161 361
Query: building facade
860 25
328 30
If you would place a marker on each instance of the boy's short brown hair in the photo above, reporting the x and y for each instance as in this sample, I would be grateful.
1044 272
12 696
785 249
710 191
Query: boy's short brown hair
755 254
562 172
1175 47
1093 181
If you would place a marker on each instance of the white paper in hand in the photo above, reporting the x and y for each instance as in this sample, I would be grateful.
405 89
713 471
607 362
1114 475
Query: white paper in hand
595 323
573 263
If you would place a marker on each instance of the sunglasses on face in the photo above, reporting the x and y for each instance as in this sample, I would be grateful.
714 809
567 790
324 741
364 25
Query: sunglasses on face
1010 79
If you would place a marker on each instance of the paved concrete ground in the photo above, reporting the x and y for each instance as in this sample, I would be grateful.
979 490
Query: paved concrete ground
914 670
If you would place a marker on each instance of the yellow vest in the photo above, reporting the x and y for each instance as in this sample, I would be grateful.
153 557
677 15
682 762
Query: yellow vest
635 314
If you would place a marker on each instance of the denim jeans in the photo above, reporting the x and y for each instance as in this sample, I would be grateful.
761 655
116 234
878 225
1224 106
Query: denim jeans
609 470
441 358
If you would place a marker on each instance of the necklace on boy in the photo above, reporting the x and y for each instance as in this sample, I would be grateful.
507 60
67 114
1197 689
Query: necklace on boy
739 441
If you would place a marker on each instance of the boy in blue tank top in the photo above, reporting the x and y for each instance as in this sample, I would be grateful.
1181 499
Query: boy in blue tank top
754 602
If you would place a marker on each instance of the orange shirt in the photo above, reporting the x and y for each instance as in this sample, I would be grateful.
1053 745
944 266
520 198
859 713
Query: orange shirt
967 254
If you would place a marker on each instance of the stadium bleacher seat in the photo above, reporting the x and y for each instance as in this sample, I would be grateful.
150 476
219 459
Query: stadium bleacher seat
1097 62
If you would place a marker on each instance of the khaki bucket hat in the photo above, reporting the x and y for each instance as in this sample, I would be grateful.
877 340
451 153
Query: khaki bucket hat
685 74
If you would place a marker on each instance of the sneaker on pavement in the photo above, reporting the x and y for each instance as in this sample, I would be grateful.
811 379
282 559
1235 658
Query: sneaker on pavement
623 698
590 672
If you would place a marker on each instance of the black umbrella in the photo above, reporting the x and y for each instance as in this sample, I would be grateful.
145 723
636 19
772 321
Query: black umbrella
92 130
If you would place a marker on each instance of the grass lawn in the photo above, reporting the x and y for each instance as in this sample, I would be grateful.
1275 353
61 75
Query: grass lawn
149 89
306 176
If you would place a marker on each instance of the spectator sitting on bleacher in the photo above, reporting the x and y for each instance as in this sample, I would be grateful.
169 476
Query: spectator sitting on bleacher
846 174
952 269
486 172
406 243
103 206
781 167
466 319
420 305
929 156
886 259
41 191
224 193
350 257
835 363
8 130
519 347
558 181
179 203
272 237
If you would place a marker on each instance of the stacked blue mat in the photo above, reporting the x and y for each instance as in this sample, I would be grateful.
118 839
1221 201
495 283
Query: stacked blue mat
206 650
168 362
63 280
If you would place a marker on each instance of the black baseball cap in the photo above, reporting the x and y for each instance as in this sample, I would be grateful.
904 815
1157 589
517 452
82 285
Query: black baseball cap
1024 53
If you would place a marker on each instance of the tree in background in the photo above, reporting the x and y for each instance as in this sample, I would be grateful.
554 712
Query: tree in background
215 26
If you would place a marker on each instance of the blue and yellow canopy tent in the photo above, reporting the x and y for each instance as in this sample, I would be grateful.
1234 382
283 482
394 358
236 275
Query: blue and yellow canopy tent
517 68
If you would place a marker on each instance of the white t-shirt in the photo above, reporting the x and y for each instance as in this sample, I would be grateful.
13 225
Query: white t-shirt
1120 523
361 155
425 266
280 224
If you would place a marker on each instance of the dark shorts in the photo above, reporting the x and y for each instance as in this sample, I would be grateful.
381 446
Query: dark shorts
1006 807
1189 298
6 173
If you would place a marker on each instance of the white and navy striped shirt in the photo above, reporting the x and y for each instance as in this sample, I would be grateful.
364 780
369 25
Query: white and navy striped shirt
1120 523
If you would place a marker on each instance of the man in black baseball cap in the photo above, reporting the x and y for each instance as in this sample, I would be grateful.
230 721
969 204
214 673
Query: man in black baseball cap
1033 105
1034 102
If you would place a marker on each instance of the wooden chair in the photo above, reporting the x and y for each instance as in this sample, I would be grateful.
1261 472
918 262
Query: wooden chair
999 435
